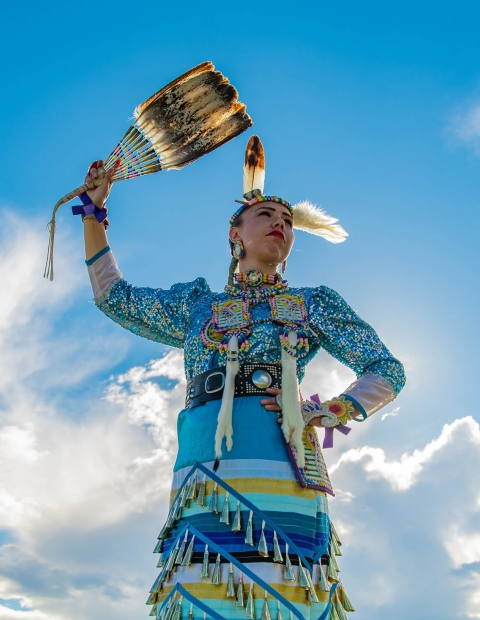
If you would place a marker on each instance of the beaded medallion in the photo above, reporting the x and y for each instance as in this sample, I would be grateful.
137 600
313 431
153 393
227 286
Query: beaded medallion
254 278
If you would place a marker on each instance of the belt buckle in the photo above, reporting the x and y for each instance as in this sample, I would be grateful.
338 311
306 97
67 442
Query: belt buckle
217 389
261 379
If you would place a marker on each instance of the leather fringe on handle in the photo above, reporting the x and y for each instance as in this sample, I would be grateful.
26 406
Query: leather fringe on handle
293 425
224 423
52 226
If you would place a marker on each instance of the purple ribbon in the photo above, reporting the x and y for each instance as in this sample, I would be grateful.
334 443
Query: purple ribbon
88 208
328 439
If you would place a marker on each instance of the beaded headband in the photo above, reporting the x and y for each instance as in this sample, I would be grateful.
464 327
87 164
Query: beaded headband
256 200
306 216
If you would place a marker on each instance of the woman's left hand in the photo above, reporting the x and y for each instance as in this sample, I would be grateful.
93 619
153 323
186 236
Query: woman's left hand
271 404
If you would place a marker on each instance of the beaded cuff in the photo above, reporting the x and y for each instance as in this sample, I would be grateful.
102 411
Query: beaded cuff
334 413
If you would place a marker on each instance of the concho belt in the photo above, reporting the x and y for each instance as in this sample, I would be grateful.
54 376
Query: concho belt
251 380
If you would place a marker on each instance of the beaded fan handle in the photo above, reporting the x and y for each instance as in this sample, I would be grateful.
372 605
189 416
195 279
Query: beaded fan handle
136 158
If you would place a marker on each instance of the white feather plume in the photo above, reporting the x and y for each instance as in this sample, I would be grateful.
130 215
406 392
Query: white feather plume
314 220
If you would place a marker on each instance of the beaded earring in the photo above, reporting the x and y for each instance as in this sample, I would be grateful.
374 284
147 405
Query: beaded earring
284 266
238 251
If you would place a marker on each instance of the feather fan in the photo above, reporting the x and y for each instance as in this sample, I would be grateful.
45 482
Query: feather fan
188 118
312 219
254 168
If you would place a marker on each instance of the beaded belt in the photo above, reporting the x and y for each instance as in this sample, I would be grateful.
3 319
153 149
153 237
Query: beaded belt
251 380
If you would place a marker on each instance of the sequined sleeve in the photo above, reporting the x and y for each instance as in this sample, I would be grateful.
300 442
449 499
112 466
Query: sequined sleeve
161 315
351 340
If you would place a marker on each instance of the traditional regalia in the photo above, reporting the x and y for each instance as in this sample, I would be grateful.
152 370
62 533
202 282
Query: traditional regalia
248 533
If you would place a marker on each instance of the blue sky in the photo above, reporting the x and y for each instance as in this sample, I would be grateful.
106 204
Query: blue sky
371 110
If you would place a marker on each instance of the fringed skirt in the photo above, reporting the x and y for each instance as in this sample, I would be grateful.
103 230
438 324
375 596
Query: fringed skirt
247 541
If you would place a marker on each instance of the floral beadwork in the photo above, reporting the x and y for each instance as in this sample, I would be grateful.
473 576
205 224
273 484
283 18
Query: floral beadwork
336 411
332 412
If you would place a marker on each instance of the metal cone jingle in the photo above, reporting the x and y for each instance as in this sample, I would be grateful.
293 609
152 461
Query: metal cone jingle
237 521
266 610
262 543
187 559
277 554
231 583
216 572
201 492
250 608
240 602
205 562
225 518
214 499
344 598
249 533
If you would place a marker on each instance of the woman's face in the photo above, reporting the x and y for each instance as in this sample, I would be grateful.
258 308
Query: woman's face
266 232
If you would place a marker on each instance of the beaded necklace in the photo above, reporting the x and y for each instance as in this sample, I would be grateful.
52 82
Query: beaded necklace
256 295
233 317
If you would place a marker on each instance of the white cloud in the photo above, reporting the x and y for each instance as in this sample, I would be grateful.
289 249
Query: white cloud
19 444
148 404
343 496
403 473
7 613
402 549
326 376
73 469
391 414
462 547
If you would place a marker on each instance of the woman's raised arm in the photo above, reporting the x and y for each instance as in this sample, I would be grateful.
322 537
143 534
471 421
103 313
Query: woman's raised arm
95 234
158 314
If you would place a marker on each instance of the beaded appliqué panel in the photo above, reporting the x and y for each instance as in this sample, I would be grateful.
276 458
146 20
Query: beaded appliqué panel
315 474
288 308
231 314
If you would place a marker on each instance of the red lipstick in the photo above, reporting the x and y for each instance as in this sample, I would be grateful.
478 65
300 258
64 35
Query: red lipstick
277 233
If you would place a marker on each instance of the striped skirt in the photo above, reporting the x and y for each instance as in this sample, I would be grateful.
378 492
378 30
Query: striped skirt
248 540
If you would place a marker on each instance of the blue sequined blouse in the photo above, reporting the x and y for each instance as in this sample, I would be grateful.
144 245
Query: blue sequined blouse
175 317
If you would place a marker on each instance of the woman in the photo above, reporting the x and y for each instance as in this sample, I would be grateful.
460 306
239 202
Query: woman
248 532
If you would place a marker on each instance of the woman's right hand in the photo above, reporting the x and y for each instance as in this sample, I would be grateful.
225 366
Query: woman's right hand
98 195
